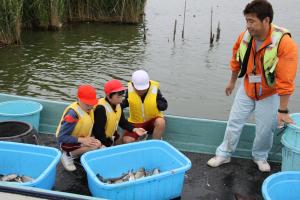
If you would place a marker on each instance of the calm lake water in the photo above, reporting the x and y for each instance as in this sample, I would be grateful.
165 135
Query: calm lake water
193 75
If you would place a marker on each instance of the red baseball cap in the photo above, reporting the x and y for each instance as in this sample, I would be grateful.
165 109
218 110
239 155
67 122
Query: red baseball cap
113 86
87 94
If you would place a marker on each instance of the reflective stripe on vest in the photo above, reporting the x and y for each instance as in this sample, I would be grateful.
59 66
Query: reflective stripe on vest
112 117
84 124
270 58
139 111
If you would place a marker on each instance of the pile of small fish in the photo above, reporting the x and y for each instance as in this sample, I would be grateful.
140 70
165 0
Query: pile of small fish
15 178
129 176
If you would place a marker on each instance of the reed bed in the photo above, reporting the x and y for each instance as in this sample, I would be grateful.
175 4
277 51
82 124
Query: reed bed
123 11
50 14
43 14
10 21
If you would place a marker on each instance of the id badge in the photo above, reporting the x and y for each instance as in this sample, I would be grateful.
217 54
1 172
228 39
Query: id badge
255 79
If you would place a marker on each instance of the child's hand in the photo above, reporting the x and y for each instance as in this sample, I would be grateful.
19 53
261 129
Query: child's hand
98 144
139 131
90 142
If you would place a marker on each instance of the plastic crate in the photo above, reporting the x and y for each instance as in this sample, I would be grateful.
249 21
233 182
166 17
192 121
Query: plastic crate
38 162
113 161
281 186
21 110
291 145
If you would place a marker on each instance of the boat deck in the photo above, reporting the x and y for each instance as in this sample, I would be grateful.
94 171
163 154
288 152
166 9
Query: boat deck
238 180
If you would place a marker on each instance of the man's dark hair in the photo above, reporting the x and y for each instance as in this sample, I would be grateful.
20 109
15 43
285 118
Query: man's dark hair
262 9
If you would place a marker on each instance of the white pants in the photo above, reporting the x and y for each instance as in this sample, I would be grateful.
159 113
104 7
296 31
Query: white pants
265 112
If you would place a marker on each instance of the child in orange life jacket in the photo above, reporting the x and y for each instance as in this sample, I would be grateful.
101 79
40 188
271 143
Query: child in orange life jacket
75 127
108 115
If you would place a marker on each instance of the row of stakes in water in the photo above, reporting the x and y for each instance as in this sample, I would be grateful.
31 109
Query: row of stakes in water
129 176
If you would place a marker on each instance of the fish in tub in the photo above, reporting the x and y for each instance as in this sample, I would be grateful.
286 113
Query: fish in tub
15 178
129 176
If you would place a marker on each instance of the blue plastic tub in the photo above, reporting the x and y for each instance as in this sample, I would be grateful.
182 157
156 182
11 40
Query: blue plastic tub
21 110
38 162
291 146
281 186
113 161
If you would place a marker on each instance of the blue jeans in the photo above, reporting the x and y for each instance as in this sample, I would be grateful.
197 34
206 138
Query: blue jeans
265 112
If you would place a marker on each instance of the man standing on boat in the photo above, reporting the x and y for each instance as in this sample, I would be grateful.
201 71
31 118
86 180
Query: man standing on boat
267 57
75 127
146 104
108 115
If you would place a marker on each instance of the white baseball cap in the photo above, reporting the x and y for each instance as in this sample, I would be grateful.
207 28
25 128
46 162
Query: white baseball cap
140 80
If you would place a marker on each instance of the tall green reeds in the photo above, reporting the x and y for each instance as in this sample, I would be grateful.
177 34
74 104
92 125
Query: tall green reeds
10 21
126 11
132 10
49 14
43 14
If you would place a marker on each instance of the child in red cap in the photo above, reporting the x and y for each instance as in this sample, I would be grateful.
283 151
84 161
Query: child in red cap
109 115
75 127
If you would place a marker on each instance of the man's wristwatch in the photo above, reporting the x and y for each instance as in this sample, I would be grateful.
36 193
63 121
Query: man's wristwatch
286 111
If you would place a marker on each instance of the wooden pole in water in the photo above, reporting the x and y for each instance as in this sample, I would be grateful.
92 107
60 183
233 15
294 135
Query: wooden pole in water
144 33
144 27
211 34
174 30
218 32
183 20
